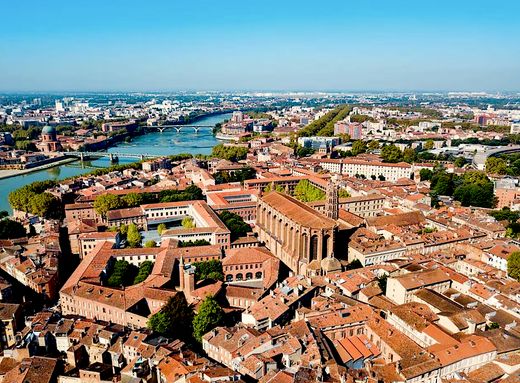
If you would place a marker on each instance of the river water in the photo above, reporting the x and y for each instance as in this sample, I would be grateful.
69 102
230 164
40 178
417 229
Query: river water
156 143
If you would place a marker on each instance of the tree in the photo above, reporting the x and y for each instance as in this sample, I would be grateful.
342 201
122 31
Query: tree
428 145
197 242
133 199
10 229
123 274
343 193
231 153
302 151
442 183
278 188
22 199
391 153
513 265
191 193
235 224
382 281
188 223
344 137
425 174
211 269
150 243
496 166
105 202
25 145
145 269
324 126
459 162
473 189
174 320
161 228
210 315
492 325
355 264
306 192
236 176
373 145
359 147
133 237
409 155
45 205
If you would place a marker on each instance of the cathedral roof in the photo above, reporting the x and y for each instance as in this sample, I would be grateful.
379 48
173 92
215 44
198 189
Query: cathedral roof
298 211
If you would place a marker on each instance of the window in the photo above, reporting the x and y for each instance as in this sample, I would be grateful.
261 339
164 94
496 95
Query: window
249 276
258 275
240 277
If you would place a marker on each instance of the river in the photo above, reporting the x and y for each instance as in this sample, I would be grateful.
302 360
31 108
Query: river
166 143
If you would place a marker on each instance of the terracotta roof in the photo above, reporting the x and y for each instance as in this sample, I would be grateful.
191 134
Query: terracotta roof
298 211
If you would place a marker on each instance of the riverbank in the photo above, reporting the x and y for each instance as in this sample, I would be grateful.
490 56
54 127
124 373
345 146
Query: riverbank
18 172
169 142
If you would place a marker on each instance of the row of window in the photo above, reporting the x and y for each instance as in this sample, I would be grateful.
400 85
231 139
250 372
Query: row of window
242 267
240 276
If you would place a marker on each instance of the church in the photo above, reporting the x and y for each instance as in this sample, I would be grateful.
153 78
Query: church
301 237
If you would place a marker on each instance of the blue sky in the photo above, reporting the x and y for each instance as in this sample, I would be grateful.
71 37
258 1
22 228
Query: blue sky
259 45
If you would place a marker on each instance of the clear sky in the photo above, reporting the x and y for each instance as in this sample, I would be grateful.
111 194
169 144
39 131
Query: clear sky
259 45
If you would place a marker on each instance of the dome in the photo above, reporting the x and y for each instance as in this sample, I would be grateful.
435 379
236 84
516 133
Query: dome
48 130
330 264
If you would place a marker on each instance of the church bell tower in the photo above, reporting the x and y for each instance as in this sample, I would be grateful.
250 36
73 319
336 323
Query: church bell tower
332 202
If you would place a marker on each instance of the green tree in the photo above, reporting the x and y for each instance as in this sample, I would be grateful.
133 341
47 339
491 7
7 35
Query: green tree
382 281
191 193
210 315
278 188
459 162
474 189
373 145
105 202
133 237
302 151
133 199
45 205
174 320
428 145
306 192
425 174
197 242
21 199
161 228
344 137
391 153
409 155
496 166
211 269
150 243
145 269
324 126
235 224
358 147
513 265
188 223
25 145
231 153
10 229
343 193
123 274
